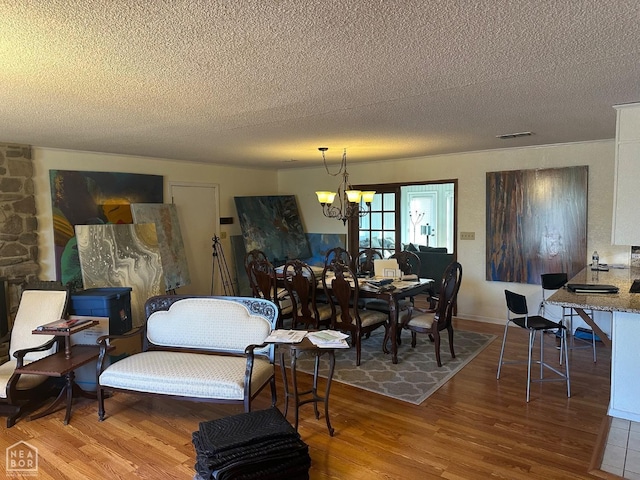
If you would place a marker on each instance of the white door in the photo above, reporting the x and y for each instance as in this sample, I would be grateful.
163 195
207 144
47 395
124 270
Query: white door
198 210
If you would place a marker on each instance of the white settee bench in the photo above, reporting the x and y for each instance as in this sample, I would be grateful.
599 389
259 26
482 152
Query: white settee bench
208 349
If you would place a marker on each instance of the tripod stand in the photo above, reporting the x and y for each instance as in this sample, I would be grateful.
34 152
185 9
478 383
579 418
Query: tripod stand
225 275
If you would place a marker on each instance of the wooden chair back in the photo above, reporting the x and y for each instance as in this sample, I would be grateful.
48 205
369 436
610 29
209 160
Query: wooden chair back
451 281
408 262
341 288
301 284
337 254
364 261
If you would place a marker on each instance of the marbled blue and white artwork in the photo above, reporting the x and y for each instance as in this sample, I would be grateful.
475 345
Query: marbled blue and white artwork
122 256
174 260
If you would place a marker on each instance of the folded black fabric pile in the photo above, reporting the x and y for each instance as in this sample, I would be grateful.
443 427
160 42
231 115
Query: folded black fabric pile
257 445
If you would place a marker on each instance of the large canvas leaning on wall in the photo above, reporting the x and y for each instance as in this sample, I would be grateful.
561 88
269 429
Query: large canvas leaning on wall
93 198
272 224
536 223
174 260
122 256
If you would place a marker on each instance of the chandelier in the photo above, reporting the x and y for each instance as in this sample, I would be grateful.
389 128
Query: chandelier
348 200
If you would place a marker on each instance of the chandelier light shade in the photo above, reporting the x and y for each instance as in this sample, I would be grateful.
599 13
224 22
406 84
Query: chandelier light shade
345 202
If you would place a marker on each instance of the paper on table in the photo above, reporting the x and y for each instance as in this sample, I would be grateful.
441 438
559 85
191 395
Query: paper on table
328 339
286 336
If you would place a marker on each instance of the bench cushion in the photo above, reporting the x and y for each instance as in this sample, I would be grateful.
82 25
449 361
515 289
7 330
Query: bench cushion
186 374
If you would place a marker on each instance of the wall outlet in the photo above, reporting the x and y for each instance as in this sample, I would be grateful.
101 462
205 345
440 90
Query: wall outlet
467 235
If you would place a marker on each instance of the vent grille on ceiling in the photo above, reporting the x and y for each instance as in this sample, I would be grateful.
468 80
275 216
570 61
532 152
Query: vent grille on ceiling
506 136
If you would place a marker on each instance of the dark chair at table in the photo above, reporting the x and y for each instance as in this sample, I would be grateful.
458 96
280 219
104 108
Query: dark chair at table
432 322
341 288
550 283
518 314
337 254
22 393
364 261
249 257
408 262
301 284
264 284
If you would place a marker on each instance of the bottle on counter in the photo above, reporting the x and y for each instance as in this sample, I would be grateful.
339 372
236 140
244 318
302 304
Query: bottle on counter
595 260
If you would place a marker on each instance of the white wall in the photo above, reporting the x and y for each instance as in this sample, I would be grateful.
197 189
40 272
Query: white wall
233 181
478 298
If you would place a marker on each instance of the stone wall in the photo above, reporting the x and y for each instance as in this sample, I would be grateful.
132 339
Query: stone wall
18 222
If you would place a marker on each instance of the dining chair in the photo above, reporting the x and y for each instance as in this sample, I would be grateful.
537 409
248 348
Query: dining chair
432 322
408 262
264 284
337 254
22 393
364 261
341 288
249 257
301 284
552 282
518 314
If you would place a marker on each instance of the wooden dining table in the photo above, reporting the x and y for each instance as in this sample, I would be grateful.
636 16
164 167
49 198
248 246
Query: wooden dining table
402 289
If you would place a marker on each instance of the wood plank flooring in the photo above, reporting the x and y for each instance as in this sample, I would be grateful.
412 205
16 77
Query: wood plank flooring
474 427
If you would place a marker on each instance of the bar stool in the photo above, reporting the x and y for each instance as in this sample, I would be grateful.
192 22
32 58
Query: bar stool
553 282
518 314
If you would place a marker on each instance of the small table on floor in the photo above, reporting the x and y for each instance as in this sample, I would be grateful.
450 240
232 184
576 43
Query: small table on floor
63 364
295 350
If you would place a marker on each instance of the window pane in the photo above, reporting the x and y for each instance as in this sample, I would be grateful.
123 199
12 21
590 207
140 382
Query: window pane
377 202
365 240
376 220
389 202
365 222
389 221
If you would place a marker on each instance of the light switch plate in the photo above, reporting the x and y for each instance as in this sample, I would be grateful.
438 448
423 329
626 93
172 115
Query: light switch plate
467 235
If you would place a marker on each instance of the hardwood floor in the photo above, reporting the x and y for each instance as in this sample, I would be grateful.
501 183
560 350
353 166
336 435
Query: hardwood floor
474 427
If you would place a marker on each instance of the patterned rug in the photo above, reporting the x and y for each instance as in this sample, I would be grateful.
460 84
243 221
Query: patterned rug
414 377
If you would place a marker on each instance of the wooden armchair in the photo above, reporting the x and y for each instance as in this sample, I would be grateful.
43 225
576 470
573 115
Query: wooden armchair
342 289
432 322
301 284
364 262
337 254
264 284
22 393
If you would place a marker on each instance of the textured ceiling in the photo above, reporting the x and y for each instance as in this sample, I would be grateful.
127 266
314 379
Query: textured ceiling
266 82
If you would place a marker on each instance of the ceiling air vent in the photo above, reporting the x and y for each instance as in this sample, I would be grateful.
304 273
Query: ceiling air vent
514 135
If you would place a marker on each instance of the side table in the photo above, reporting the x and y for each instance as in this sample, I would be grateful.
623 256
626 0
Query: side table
295 350
63 364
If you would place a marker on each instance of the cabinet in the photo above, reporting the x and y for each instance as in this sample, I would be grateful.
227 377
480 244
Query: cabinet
626 225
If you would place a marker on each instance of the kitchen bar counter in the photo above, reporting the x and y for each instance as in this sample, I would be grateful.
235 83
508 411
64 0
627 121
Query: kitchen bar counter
623 301
625 332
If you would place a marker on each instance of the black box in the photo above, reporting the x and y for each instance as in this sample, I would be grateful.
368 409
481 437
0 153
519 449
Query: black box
112 302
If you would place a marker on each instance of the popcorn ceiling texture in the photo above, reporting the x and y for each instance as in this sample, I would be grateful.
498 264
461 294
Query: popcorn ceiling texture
263 82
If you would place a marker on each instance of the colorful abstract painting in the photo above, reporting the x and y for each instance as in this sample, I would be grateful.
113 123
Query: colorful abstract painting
122 256
536 223
272 224
165 218
93 198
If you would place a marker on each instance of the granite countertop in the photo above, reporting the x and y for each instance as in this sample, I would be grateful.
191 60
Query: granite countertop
623 301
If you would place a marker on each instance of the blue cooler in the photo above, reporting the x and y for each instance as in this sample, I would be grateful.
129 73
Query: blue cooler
112 302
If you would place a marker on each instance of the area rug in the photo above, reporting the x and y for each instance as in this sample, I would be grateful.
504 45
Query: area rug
414 377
